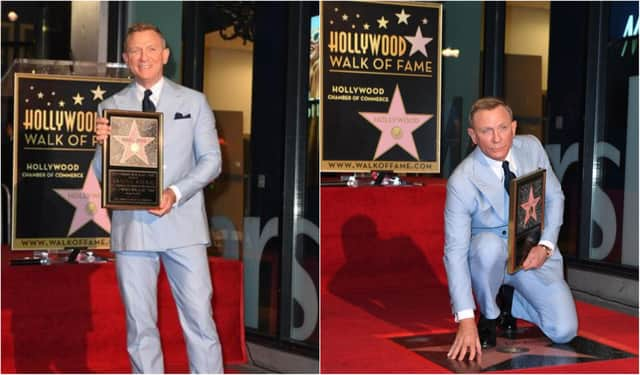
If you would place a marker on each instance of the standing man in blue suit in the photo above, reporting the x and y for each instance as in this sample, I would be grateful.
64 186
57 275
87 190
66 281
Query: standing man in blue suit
476 222
176 233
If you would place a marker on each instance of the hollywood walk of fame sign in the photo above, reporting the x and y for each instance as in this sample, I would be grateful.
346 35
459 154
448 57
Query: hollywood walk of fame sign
380 89
530 349
132 160
56 195
526 216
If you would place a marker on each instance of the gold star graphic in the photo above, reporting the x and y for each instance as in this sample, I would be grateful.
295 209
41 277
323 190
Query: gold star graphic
366 26
78 99
403 17
425 20
40 95
345 17
98 93
382 23
61 104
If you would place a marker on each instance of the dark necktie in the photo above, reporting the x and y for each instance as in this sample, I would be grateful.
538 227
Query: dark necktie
147 104
508 175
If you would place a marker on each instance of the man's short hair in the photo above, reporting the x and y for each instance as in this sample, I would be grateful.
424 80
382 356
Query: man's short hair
138 27
488 103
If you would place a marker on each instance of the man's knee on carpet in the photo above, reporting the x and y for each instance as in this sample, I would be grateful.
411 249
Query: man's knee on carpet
562 331
560 327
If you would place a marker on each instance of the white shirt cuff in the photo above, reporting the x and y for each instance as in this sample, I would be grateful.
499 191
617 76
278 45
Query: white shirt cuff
177 192
464 314
549 245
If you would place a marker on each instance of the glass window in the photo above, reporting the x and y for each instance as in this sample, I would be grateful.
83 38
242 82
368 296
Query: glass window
566 115
306 284
614 204
593 129
247 203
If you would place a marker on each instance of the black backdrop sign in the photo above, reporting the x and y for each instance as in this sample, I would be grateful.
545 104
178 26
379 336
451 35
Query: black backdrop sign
380 86
56 195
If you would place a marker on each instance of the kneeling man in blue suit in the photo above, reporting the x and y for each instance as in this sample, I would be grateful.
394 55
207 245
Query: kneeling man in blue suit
476 227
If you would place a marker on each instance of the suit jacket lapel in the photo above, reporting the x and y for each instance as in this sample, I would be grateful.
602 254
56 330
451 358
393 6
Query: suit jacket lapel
170 100
127 99
485 179
523 162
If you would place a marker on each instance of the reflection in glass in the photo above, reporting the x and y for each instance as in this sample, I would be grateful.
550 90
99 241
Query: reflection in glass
615 181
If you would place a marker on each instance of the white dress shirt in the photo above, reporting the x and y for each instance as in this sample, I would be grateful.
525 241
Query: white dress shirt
156 90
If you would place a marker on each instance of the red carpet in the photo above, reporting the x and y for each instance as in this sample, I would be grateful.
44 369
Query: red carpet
383 277
69 318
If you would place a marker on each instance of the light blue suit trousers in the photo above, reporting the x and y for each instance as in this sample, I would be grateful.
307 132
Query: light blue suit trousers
547 305
188 274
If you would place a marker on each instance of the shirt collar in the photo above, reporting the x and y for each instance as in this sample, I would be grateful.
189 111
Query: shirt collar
496 165
156 89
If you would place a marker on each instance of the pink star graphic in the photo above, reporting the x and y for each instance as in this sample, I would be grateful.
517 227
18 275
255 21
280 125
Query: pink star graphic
396 126
87 204
540 346
529 207
134 144
418 43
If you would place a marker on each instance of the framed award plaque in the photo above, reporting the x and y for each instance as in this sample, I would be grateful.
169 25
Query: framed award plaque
132 160
526 216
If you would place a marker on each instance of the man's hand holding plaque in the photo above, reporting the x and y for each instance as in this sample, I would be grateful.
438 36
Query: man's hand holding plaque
535 258
526 221
103 130
132 161
167 201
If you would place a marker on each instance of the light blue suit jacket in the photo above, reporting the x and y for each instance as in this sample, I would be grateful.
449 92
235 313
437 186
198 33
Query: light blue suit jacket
477 202
191 161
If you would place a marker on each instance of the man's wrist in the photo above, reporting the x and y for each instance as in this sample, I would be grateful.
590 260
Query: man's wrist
177 193
468 321
547 249
463 314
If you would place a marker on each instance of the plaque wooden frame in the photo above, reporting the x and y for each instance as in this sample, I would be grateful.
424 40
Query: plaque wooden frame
525 223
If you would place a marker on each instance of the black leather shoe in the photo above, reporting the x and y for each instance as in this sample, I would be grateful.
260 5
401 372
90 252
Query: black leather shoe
487 332
507 322
508 325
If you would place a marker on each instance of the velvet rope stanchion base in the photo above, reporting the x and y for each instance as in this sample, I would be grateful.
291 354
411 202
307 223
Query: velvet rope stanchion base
69 318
